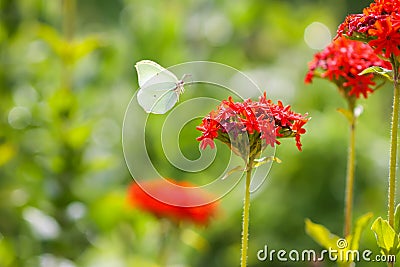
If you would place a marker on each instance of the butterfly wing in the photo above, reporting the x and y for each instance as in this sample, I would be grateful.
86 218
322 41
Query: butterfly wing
158 98
149 72
159 88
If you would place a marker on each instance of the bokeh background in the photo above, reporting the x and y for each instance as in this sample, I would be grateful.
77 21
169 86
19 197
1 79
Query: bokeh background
66 78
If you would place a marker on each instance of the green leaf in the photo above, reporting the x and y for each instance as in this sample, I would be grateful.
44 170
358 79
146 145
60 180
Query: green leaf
386 237
388 74
86 46
69 51
51 37
347 113
397 219
330 241
360 225
264 160
236 169
321 235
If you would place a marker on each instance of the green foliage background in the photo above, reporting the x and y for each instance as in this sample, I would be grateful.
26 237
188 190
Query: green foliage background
66 78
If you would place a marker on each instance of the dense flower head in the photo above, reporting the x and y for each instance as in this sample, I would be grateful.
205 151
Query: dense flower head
144 200
243 125
378 25
341 62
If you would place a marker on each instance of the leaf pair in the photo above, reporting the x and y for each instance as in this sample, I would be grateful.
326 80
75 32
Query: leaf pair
70 51
257 163
382 72
351 114
330 241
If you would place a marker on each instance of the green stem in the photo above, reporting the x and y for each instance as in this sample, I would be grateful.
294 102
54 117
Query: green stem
393 144
246 217
348 210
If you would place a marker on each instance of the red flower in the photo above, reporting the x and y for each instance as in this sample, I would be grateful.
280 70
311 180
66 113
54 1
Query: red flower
210 128
378 25
341 62
144 200
387 37
298 128
258 119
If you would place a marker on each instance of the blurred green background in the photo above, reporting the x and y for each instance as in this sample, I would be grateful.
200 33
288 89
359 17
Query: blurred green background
66 77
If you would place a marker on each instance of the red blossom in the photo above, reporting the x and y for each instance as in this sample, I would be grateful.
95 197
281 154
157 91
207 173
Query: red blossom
378 25
259 119
209 127
387 38
145 201
298 128
341 62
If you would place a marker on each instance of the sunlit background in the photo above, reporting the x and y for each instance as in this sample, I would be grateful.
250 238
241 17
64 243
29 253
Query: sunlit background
66 78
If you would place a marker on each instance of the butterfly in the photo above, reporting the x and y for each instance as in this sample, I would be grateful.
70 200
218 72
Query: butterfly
159 88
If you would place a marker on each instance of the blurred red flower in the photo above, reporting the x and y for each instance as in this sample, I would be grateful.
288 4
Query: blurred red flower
341 62
147 201
259 120
378 25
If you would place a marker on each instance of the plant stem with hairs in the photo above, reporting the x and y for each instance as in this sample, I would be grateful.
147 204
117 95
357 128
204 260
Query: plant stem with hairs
393 146
349 193
246 217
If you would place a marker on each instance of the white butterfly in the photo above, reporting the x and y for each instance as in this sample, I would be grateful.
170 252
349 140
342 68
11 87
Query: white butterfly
159 88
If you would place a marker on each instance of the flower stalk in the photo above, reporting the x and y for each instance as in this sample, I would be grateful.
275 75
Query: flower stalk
248 127
255 151
349 195
246 217
393 143
351 65
379 26
341 62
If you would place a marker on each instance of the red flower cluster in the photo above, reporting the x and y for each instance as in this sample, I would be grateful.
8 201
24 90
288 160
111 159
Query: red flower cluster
260 120
341 62
378 25
200 215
